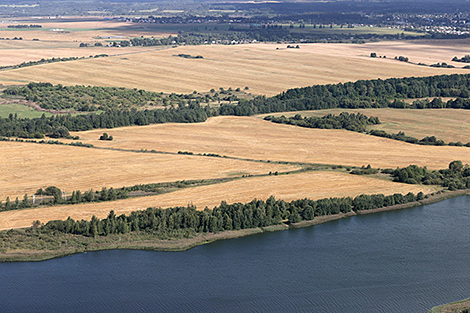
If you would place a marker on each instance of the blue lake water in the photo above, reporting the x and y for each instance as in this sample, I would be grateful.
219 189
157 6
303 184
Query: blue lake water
399 261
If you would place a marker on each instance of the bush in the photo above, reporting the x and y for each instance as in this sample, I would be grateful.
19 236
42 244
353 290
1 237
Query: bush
106 137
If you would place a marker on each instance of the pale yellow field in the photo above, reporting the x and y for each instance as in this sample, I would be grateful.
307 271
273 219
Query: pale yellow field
14 56
27 167
251 137
55 43
67 31
313 185
261 67
450 125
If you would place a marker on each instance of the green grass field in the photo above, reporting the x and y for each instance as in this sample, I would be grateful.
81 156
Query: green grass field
22 111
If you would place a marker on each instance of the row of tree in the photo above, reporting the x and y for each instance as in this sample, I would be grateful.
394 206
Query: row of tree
53 195
355 122
46 61
403 88
464 59
457 176
58 126
256 213
362 94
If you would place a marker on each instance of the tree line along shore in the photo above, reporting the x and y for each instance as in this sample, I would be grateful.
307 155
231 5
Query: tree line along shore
186 222
181 228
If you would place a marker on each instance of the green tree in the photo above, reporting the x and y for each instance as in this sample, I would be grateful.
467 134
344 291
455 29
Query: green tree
456 166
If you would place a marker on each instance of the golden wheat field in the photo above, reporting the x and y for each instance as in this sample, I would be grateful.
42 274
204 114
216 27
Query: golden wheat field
450 125
26 167
254 138
264 68
313 185
61 38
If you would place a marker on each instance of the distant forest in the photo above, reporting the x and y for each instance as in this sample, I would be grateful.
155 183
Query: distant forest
361 94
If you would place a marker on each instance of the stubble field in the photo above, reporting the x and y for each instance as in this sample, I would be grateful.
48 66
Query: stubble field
450 125
313 185
254 138
61 38
27 167
264 68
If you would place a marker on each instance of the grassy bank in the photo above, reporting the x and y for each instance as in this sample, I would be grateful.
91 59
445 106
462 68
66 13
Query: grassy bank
60 245
454 307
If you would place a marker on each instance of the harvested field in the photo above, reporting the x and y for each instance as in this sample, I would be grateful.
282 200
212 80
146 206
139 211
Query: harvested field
61 38
27 167
262 67
446 124
70 30
251 137
313 185
14 56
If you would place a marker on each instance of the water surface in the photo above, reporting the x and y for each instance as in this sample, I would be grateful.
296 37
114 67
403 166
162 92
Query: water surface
399 261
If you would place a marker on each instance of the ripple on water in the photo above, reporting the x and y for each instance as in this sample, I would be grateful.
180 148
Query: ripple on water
401 261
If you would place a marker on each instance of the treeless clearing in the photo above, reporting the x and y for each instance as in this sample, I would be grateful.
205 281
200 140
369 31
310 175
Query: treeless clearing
17 55
446 124
251 137
313 185
261 67
27 167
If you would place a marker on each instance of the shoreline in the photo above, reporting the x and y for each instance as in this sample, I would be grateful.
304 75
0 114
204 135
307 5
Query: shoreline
453 307
179 245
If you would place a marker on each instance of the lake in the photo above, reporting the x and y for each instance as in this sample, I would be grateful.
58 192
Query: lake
398 261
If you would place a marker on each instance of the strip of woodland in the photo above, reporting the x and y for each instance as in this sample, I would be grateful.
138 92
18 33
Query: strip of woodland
54 196
361 94
185 222
358 123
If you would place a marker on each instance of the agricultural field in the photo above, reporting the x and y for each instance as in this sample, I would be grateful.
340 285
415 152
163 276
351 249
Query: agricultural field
313 185
254 138
265 68
61 38
26 167
67 31
8 107
450 125
338 29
